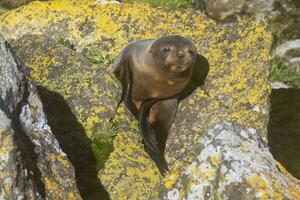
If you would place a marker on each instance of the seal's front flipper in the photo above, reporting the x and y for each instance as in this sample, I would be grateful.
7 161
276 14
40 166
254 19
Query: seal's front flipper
153 148
155 120
159 160
148 133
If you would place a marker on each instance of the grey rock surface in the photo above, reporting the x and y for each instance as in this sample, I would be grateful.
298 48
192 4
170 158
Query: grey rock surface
231 9
233 162
290 53
278 85
32 164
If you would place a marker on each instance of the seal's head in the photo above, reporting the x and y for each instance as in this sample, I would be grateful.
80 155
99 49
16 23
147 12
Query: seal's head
174 55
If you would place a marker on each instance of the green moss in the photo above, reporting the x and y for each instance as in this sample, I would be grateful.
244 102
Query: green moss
171 4
65 42
280 72
100 57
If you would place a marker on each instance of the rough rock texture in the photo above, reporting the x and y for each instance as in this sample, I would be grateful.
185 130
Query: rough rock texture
284 128
9 4
13 3
79 99
278 85
86 23
107 2
283 15
233 162
90 91
290 53
225 9
32 164
236 90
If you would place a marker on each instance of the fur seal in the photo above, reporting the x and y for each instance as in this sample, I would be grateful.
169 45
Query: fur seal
155 75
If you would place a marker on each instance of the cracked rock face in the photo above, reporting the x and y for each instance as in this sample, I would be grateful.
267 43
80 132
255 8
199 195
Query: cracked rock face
32 164
232 162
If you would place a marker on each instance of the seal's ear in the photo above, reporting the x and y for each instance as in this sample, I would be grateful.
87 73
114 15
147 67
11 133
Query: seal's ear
119 67
199 75
120 70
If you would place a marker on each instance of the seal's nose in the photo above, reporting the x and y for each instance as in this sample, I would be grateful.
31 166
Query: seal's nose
180 54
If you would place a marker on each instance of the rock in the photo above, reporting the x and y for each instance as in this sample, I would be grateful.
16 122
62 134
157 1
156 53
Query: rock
209 124
107 2
278 85
284 128
236 89
9 4
88 89
12 3
231 93
79 99
233 162
290 53
224 10
103 26
33 166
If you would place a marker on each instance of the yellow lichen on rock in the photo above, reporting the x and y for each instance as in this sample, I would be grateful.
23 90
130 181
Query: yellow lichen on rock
236 88
130 173
93 23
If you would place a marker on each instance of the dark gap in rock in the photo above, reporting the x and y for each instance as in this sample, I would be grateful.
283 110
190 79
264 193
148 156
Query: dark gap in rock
25 147
284 128
74 142
4 108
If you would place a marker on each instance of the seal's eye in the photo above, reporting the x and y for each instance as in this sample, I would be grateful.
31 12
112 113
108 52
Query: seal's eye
166 49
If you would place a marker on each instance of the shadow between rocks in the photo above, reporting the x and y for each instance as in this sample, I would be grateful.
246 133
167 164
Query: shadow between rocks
284 128
74 142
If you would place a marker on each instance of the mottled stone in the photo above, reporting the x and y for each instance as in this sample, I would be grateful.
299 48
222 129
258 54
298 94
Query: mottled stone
290 54
232 162
279 85
32 164
232 9
90 91
79 98
236 90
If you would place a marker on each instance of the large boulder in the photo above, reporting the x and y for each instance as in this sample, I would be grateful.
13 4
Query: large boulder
88 23
232 9
232 162
32 164
79 99
237 91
